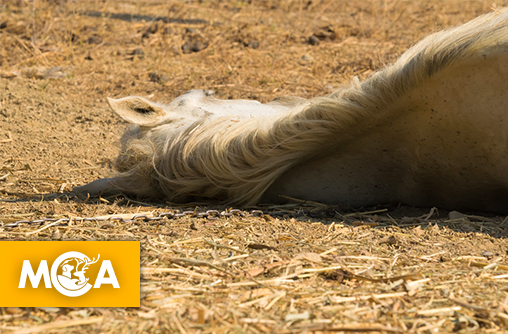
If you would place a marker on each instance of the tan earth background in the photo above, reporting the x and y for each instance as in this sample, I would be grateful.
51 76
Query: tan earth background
298 268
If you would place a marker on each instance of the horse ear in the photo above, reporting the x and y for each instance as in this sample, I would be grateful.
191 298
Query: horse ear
137 110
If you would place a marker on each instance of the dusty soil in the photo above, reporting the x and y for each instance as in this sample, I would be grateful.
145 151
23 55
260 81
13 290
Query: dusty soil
300 267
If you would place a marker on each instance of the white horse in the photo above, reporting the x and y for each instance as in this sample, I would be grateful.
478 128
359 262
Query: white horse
429 130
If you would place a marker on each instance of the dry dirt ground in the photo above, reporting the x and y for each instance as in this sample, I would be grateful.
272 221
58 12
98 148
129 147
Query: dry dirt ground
297 268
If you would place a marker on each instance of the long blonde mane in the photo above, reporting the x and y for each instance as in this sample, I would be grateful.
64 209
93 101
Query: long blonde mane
237 162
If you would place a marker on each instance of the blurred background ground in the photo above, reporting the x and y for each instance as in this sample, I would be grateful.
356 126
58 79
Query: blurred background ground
300 267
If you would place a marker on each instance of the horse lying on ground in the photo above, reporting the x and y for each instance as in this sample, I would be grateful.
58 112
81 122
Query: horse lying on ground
429 130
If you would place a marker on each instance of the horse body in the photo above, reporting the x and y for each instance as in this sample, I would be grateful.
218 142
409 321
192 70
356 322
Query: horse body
444 143
430 130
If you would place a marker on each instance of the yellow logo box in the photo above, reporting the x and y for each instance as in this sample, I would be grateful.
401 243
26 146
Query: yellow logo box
69 273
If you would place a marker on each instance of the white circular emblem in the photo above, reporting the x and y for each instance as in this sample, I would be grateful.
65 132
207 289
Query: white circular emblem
68 274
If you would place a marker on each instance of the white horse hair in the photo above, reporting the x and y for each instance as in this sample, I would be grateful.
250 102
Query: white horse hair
429 130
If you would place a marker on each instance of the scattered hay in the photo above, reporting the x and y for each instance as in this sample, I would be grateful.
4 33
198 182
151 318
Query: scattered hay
204 274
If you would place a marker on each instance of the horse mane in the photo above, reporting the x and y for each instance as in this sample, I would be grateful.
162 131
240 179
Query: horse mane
237 162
